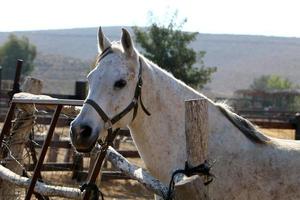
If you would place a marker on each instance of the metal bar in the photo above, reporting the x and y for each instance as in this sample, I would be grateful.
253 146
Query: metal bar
43 152
109 175
113 175
129 154
0 84
35 160
52 166
95 172
49 101
7 123
62 122
77 166
80 89
124 132
111 135
64 143
16 85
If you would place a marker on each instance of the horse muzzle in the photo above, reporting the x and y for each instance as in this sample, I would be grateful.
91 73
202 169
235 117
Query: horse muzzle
83 137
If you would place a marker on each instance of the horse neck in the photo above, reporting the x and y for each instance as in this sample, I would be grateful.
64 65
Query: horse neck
160 138
162 90
163 94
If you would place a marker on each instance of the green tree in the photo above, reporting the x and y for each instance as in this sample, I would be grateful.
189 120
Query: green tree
271 82
168 47
16 48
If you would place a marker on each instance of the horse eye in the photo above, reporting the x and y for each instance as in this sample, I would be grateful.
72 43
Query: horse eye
120 84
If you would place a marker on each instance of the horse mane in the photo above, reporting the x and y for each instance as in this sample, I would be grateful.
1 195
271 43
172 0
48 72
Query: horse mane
244 125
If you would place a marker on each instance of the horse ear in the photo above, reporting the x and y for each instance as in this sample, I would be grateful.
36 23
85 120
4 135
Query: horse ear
103 41
127 42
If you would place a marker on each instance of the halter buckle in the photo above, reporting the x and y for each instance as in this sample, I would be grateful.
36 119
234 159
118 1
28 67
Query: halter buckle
134 101
108 124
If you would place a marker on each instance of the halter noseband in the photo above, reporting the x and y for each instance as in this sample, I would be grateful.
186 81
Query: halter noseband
133 105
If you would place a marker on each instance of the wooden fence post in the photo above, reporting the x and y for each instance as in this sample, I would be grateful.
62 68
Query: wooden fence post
0 78
80 89
77 167
296 123
19 136
68 155
80 93
196 129
53 151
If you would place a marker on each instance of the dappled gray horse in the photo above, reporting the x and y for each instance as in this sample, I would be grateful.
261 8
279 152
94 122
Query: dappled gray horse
249 165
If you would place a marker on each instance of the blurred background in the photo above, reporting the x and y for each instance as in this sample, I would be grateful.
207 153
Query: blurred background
246 53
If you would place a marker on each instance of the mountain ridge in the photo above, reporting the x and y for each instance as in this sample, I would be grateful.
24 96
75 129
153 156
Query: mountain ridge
239 58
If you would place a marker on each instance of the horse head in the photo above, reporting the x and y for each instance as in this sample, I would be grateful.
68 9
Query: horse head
114 89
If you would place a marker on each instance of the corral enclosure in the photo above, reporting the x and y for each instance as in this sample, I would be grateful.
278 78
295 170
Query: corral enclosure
60 164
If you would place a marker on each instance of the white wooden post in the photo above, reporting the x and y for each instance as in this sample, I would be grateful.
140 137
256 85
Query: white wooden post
53 151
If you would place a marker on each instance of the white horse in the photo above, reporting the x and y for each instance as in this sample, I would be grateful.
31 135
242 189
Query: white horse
249 165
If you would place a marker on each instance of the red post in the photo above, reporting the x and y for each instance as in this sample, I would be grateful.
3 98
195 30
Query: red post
7 122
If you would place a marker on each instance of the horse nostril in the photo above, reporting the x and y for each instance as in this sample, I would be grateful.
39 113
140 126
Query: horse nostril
85 131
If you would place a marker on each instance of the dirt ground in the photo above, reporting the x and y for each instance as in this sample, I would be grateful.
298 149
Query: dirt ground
112 189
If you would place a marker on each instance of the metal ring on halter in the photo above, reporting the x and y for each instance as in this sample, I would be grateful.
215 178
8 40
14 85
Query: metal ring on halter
134 100
108 125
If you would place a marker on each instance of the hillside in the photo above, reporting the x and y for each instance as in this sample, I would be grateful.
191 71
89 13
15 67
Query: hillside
65 55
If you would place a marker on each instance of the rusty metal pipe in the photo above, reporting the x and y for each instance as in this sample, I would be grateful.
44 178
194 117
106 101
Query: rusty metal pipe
7 122
43 152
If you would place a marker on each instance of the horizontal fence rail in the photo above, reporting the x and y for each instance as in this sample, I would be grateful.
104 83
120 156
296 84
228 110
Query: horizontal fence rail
273 124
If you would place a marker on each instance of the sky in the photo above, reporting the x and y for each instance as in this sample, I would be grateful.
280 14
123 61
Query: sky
253 17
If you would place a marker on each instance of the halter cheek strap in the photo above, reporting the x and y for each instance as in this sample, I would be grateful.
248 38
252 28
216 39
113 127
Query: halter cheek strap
109 122
133 105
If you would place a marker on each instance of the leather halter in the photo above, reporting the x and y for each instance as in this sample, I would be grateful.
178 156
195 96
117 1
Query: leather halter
132 105
109 122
